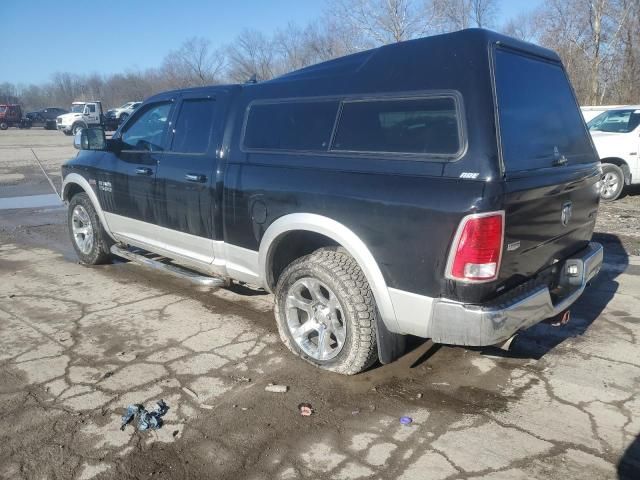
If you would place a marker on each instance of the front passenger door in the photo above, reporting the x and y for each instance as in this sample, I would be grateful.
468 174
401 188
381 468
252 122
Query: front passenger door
131 171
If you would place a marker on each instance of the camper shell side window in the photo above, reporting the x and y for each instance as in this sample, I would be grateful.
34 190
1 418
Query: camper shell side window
423 126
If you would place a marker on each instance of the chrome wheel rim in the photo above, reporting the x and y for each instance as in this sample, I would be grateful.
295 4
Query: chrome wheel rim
82 229
315 319
610 183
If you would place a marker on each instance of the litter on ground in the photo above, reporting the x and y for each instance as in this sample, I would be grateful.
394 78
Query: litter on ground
306 410
146 420
276 388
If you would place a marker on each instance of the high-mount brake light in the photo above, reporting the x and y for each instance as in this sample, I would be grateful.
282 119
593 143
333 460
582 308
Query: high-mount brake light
476 251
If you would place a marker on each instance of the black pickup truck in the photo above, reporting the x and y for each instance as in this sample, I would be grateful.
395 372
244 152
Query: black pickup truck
444 187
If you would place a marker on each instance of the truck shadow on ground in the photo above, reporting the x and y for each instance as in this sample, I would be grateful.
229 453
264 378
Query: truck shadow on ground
631 191
629 466
536 341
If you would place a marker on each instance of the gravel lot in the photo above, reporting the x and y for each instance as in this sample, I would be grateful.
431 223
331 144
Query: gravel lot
79 344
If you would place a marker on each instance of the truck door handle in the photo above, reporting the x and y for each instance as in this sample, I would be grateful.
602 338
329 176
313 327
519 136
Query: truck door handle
193 177
143 171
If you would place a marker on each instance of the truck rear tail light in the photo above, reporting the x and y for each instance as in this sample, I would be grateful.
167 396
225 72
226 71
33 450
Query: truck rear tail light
476 250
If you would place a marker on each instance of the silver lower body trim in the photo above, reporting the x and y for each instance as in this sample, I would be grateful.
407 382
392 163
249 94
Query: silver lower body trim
201 254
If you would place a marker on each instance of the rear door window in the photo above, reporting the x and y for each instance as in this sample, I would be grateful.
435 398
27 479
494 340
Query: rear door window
408 126
299 126
192 130
540 121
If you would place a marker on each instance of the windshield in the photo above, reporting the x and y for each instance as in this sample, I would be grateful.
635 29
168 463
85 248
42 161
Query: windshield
615 121
3 108
77 108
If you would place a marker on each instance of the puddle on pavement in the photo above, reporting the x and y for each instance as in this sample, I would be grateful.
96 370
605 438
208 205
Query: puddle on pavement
30 201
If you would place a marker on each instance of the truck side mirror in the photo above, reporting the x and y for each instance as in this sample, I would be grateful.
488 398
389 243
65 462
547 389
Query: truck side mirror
90 139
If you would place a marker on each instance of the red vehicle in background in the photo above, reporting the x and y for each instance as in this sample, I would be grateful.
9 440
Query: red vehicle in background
11 116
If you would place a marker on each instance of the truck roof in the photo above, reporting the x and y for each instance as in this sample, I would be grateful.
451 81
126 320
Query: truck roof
442 57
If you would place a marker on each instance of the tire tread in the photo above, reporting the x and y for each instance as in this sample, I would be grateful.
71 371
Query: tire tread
350 278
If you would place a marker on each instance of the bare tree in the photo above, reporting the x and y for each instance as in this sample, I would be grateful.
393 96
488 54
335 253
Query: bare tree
588 35
524 26
252 56
451 15
9 93
379 22
195 63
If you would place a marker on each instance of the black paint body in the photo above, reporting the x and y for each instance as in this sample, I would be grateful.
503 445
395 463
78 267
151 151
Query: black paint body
406 210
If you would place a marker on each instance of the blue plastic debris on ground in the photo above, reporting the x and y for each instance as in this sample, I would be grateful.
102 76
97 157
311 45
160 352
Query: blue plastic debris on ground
146 420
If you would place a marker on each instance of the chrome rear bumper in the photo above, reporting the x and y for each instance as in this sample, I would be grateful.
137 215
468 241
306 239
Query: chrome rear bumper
459 324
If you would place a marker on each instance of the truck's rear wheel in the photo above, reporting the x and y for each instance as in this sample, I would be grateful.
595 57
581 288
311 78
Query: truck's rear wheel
326 312
4 125
612 182
90 241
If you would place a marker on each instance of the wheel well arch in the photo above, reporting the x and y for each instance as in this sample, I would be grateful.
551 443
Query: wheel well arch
290 246
321 231
75 183
622 164
70 190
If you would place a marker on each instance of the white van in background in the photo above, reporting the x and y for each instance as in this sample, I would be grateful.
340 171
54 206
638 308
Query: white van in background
616 136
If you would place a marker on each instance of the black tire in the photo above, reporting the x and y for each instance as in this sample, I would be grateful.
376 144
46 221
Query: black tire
3 125
67 133
99 253
334 268
612 182
123 118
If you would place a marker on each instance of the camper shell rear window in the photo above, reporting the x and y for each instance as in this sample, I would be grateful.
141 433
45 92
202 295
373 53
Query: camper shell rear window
539 118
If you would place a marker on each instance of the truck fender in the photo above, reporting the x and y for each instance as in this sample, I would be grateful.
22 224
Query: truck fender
77 179
344 237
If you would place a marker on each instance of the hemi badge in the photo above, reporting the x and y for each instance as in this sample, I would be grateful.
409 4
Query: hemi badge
513 246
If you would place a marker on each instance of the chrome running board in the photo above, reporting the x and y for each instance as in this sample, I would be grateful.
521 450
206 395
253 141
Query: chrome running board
140 257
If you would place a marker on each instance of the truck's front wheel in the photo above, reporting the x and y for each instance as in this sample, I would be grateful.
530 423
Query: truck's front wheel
326 312
90 241
4 125
77 127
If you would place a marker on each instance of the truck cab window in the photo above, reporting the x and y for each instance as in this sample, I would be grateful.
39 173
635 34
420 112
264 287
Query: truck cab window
193 126
146 131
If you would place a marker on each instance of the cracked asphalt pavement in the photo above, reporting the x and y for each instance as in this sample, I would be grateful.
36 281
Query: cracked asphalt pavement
78 344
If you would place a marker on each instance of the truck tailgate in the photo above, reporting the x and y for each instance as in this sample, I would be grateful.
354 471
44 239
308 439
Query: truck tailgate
547 218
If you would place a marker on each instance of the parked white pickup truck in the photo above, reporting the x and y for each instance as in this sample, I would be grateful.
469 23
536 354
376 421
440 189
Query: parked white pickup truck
616 136
120 114
591 111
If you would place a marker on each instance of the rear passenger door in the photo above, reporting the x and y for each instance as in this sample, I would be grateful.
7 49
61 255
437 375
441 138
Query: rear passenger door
186 188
